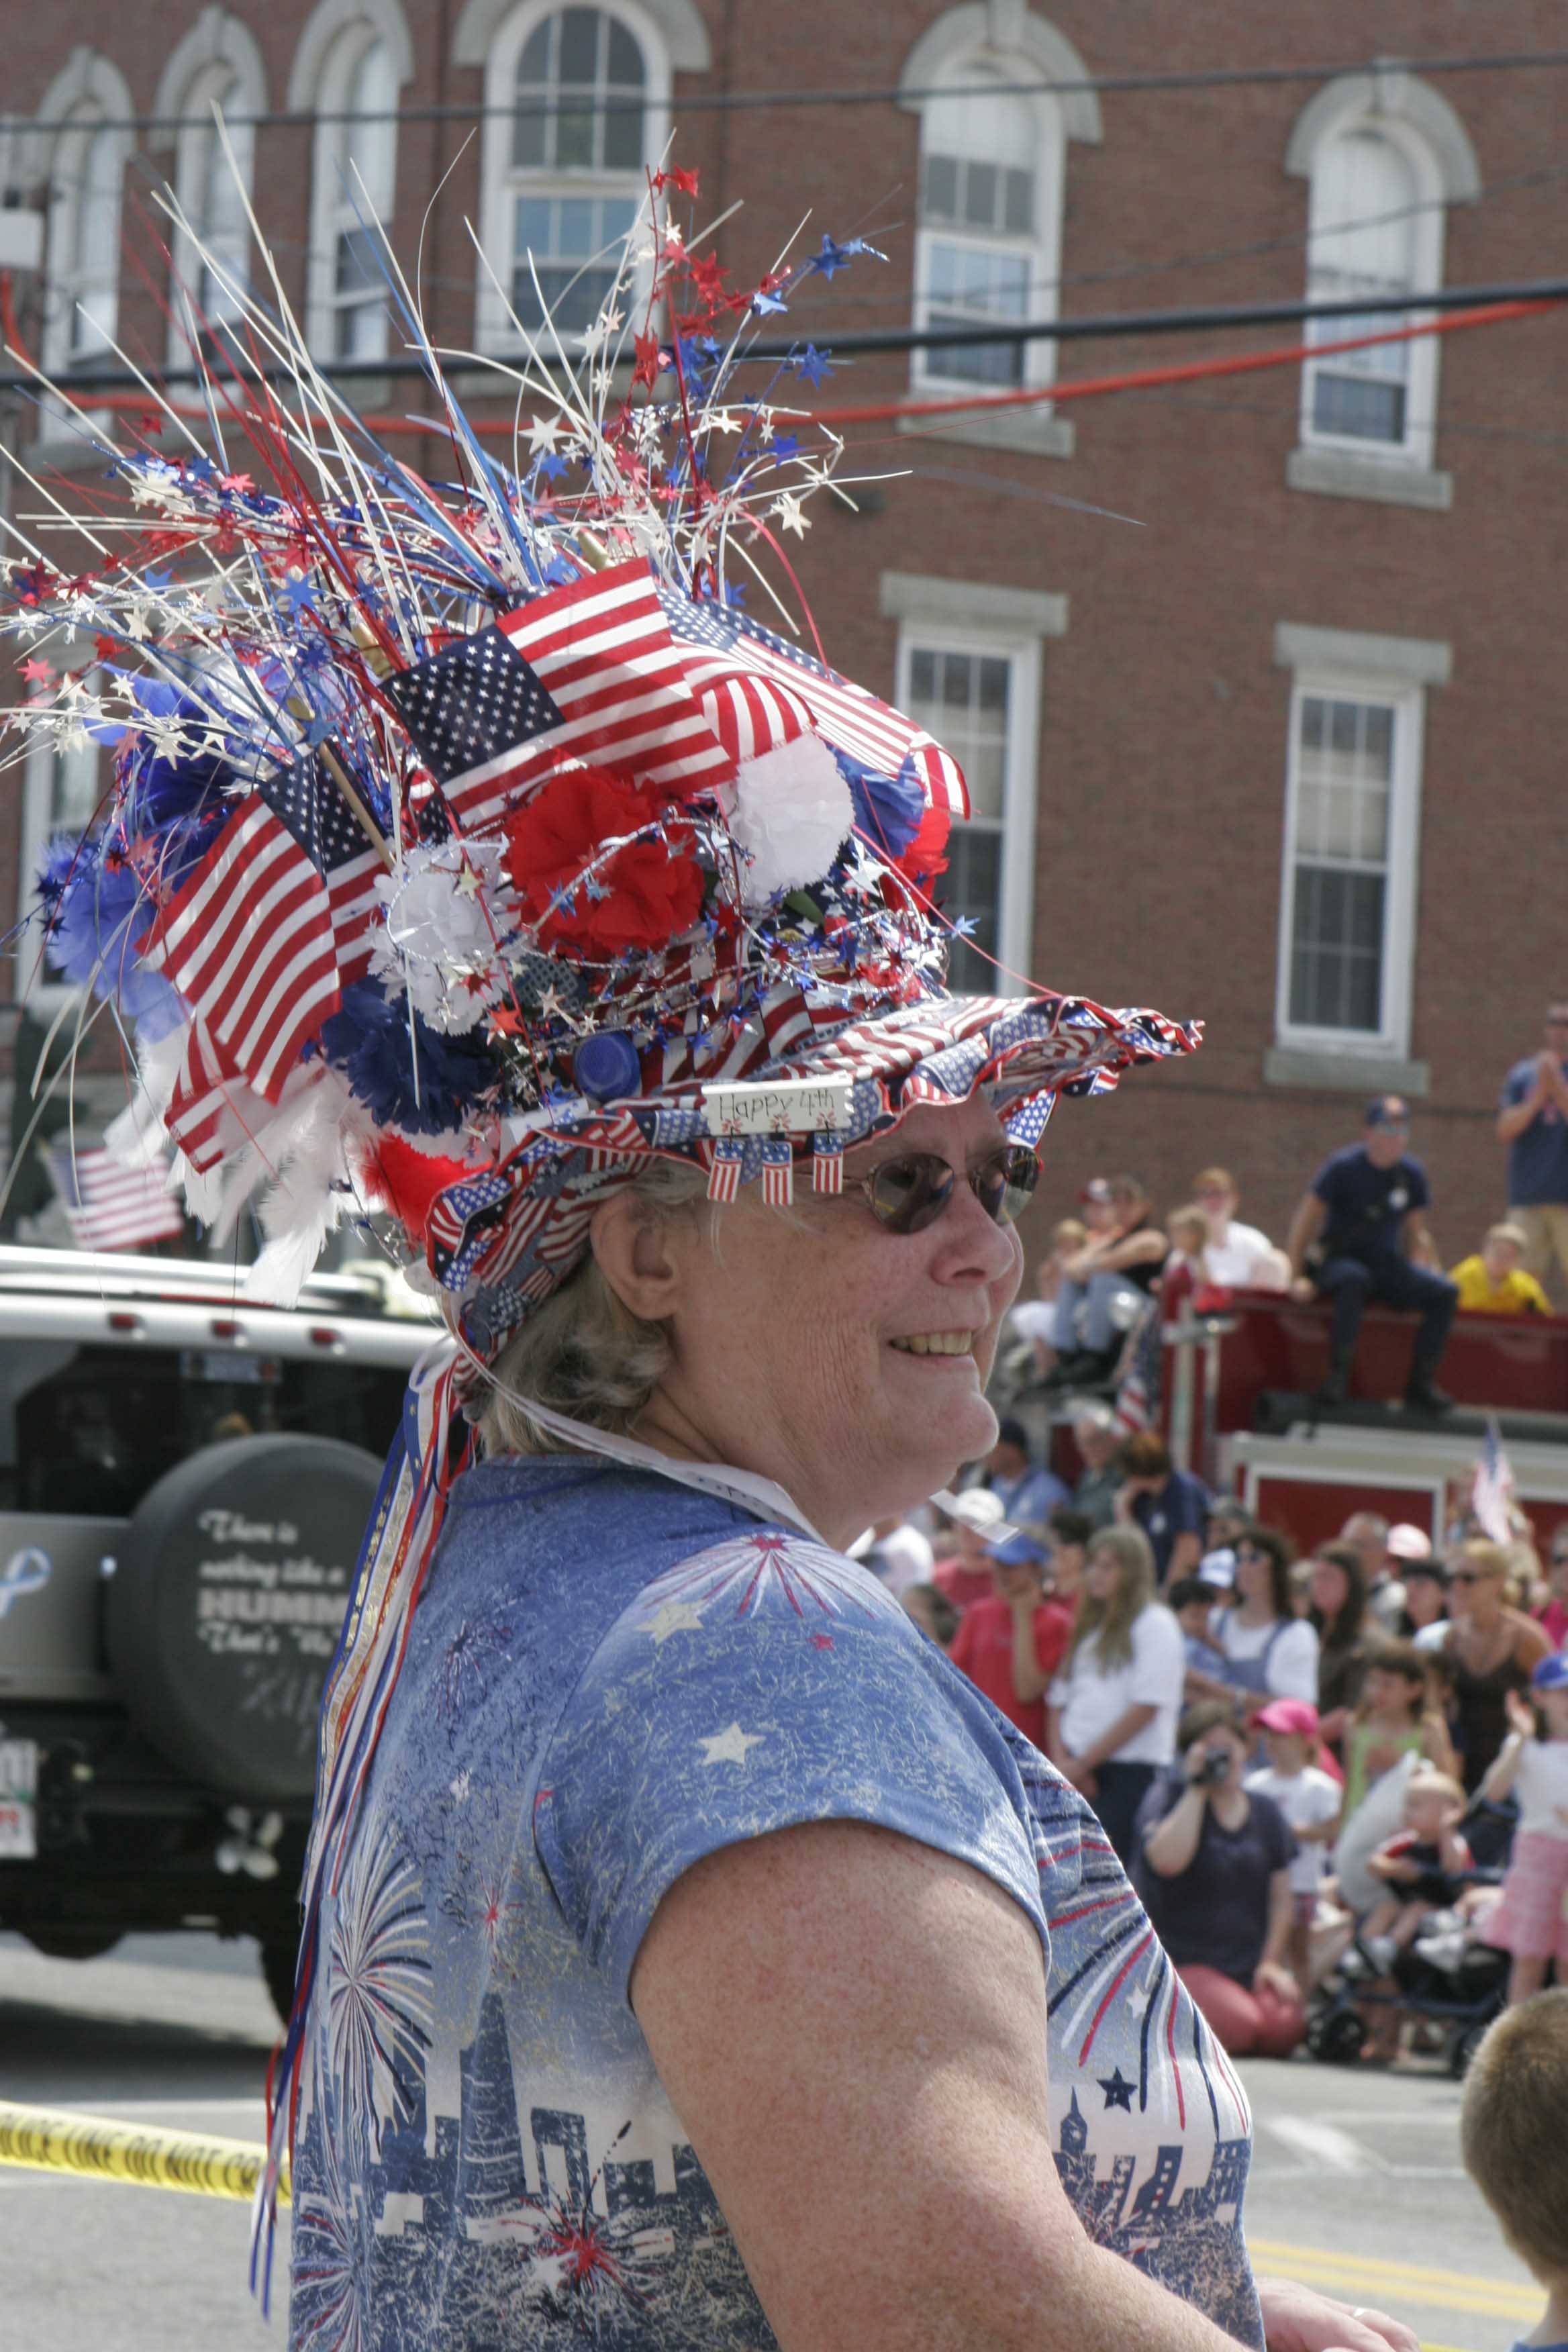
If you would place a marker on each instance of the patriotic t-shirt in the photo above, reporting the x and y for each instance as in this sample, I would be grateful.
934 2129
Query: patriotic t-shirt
609 1675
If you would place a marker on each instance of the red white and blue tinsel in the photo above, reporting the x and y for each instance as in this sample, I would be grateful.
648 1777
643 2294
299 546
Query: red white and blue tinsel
469 843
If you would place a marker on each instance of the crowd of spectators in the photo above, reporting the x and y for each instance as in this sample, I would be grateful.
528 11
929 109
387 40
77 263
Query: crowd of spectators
1284 1751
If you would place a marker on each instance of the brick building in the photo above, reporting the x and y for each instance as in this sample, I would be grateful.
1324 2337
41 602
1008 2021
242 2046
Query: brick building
1257 679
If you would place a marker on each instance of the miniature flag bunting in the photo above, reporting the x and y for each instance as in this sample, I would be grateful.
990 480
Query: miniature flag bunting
827 1163
778 1172
724 1169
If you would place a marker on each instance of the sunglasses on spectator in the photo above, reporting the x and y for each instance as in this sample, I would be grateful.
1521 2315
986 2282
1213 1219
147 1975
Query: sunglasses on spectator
1472 1576
908 1194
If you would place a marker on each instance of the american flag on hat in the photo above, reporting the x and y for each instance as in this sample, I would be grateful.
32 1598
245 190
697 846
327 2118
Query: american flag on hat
587 672
248 941
843 714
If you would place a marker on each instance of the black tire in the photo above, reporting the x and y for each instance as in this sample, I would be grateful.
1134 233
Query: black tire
226 1603
72 1943
279 1956
1343 2037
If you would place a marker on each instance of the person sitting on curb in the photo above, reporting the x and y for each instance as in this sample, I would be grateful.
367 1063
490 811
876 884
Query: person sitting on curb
1361 1234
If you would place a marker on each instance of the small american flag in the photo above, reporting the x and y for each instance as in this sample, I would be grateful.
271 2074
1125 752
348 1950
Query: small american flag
1493 1488
114 1203
845 715
827 1163
603 650
1139 1386
473 712
778 1172
724 1172
306 799
247 940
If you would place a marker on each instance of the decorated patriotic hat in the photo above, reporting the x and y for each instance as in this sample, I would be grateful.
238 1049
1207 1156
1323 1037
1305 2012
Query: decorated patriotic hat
470 842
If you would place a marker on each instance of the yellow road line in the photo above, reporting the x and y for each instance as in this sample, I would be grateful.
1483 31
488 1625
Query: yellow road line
1407 2274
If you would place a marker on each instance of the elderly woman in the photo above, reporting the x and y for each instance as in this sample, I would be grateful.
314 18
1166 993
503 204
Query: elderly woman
693 1959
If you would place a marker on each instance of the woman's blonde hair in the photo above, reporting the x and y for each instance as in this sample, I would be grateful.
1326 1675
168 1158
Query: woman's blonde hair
582 1353
1113 1620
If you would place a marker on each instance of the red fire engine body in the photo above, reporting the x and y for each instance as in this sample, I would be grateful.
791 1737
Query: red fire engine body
1240 1370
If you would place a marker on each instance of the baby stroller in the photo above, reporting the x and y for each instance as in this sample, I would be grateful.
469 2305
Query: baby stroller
1445 1978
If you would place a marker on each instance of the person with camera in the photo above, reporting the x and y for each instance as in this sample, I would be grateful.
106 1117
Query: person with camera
1214 1870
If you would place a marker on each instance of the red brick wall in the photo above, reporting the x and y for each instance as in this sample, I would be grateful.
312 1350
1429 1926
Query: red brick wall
1163 725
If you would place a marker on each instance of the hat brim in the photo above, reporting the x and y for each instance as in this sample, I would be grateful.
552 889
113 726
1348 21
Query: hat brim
501 1242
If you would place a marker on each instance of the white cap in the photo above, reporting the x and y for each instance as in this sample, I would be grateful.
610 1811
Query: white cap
1218 1567
1407 1541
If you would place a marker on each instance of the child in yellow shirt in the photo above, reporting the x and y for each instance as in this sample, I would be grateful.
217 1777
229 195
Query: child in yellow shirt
1493 1281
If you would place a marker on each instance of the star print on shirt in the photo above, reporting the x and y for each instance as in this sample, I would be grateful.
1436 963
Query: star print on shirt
673 1617
729 1746
1117 2093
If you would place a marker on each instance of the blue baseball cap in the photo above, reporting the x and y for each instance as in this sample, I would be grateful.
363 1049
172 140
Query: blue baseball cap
1388 1110
1552 1674
1017 1548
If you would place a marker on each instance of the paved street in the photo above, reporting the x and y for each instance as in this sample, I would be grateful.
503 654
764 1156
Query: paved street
1357 2184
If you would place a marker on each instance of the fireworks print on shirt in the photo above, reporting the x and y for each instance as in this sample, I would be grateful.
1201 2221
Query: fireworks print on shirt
378 2015
765 1572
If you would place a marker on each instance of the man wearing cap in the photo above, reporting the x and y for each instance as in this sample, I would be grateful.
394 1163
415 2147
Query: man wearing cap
1532 1120
1094 1433
1011 1643
964 1575
1024 1490
1361 1234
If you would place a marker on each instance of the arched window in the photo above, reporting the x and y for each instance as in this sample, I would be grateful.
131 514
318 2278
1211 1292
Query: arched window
990 225
78 154
354 187
83 252
1365 237
581 97
999 93
1385 156
217 63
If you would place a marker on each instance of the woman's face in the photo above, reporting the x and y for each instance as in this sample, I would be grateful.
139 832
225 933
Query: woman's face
1254 1572
1102 1575
1330 1587
1222 1741
790 1334
1476 1592
1422 1600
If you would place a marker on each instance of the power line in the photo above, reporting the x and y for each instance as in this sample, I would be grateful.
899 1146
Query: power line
1215 318
887 94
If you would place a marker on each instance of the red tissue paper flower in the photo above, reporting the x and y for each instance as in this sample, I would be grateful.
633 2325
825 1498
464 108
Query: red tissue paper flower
652 889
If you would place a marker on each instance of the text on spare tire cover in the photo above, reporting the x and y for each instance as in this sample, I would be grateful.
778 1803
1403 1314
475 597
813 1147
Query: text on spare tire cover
259 1596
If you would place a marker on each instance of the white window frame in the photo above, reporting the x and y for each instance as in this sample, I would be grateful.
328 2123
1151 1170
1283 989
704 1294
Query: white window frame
1416 116
1408 702
500 183
219 56
1043 244
944 616
333 212
1416 447
68 192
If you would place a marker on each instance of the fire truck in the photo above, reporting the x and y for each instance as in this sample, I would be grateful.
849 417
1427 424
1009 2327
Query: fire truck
1239 1373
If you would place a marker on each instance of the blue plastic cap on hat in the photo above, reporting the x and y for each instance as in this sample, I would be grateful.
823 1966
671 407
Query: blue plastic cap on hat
606 1067
1015 1548
1552 1674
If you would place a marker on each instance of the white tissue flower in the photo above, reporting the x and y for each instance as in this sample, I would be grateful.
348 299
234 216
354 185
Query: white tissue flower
789 811
442 926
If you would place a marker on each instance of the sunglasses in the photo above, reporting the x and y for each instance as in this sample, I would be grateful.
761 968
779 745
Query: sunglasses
1471 1576
905 1195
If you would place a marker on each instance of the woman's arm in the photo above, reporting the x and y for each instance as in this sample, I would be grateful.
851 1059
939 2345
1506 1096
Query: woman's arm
1169 1847
793 1990
1127 1726
1435 1745
1281 1918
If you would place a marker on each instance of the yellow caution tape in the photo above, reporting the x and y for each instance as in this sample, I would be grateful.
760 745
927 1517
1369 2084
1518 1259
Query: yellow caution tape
149 2156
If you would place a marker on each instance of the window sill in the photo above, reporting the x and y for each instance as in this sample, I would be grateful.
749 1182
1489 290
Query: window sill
1345 1071
1340 474
1034 432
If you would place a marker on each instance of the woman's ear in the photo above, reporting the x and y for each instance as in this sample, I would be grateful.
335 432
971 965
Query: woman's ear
633 1247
